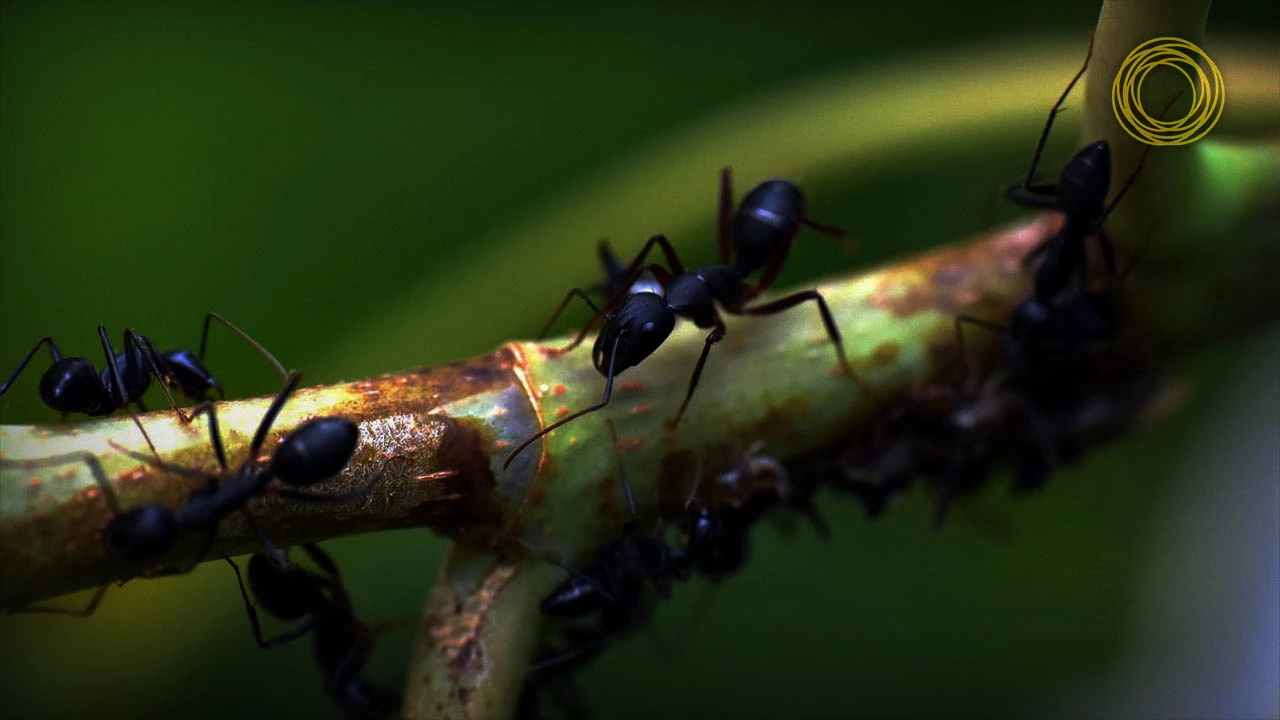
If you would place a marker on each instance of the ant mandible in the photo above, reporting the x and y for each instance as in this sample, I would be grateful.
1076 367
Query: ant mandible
317 450
341 643
74 385
762 231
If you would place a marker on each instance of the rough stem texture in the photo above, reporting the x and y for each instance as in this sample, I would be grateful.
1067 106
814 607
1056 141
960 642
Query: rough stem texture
438 436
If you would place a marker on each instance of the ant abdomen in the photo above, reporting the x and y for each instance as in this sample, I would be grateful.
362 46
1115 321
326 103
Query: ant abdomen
142 532
285 594
66 384
319 449
769 211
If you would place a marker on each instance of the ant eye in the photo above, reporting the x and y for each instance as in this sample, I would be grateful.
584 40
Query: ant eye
647 327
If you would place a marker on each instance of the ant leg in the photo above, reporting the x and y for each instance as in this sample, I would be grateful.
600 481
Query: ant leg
53 351
270 550
86 611
828 230
716 334
599 315
590 646
142 343
260 436
215 433
121 398
604 400
622 474
323 560
771 268
256 625
1041 197
1134 175
95 467
156 462
833 331
637 265
204 340
726 216
1057 108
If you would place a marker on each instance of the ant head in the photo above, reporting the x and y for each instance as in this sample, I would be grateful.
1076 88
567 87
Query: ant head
185 373
285 593
1086 181
142 532
318 450
71 385
639 327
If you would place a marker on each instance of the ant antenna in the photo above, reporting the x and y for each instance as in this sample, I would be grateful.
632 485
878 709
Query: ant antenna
604 400
576 292
204 341
1057 108
622 473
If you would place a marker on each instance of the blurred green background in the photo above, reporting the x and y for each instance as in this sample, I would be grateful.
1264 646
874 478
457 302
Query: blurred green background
312 170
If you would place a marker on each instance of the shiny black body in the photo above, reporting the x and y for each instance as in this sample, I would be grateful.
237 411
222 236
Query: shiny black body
317 450
73 385
611 591
637 323
764 222
341 644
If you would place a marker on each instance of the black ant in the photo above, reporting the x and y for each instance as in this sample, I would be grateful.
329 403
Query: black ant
341 643
717 533
317 450
1060 315
612 587
74 385
761 231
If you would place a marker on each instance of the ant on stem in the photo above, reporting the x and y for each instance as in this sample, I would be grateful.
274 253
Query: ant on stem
1060 313
317 450
341 643
74 385
611 588
637 324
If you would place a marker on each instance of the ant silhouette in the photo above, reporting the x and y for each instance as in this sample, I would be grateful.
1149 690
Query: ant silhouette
762 231
1060 313
317 450
341 643
74 385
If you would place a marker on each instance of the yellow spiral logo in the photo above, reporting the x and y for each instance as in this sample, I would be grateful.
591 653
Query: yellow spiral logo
1207 92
